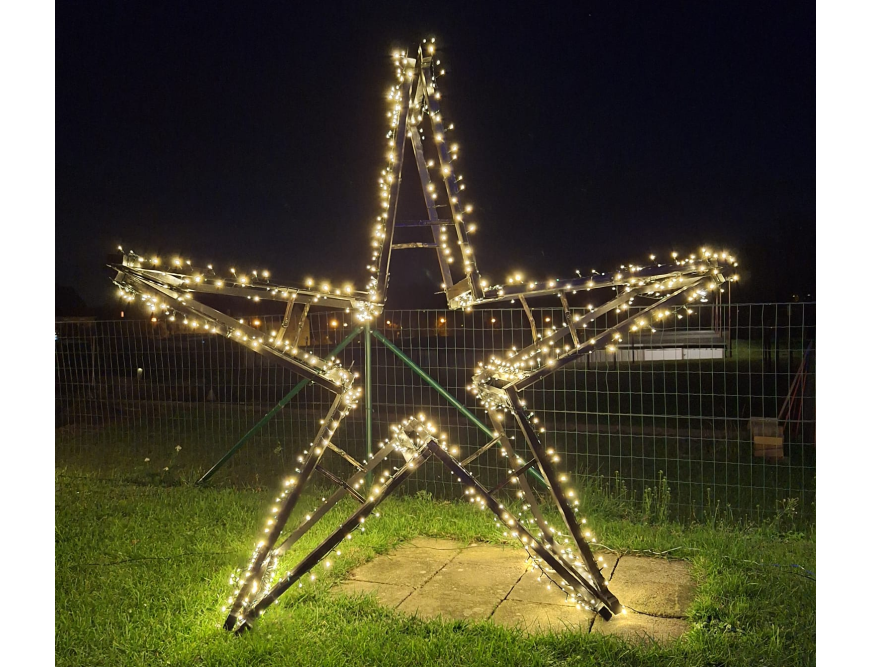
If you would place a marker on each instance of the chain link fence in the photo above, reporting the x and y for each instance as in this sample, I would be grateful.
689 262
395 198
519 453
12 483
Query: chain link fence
682 408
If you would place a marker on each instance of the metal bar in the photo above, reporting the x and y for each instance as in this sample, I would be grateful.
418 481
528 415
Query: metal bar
419 96
438 388
425 223
454 193
461 287
568 315
480 451
300 325
506 481
414 244
432 383
573 579
599 311
272 413
280 293
332 500
388 225
588 345
264 547
653 275
345 456
729 318
531 318
285 321
369 406
337 480
792 390
516 462
439 234
329 543
562 501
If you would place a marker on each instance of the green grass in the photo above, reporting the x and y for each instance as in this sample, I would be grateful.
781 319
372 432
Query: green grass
701 471
142 570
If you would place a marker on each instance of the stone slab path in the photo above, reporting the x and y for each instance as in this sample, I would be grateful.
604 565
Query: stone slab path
432 577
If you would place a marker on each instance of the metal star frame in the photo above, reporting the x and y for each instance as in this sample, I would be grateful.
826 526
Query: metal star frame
565 558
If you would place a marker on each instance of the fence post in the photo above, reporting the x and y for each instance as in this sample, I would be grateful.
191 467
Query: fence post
369 409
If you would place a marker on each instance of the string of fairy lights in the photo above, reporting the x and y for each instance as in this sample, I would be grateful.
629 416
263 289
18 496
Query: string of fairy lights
550 539
171 295
264 561
422 432
248 582
547 534
425 104
545 353
248 599
171 288
447 153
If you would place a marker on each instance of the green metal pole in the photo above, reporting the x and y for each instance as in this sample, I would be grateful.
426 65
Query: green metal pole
268 416
432 383
442 391
369 409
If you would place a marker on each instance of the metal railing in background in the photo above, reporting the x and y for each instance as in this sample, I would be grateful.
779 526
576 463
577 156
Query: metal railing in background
674 405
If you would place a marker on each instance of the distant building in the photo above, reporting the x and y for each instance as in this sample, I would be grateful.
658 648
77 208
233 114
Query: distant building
667 345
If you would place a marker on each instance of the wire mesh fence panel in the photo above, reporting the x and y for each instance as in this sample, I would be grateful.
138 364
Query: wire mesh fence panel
685 407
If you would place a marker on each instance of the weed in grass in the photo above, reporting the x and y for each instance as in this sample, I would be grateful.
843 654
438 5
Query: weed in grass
657 501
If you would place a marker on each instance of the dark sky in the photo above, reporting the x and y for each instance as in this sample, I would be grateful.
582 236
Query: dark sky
591 134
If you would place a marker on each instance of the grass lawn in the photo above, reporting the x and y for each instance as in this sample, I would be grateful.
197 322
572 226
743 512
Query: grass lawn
142 573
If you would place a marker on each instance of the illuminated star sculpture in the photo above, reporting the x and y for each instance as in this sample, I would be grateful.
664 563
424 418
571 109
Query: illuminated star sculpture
563 555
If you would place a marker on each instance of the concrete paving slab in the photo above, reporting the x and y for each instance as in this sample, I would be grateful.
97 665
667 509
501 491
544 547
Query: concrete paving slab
642 627
493 557
541 617
654 586
434 577
410 567
470 586
457 597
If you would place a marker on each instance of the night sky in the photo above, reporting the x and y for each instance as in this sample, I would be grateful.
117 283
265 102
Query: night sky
591 134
